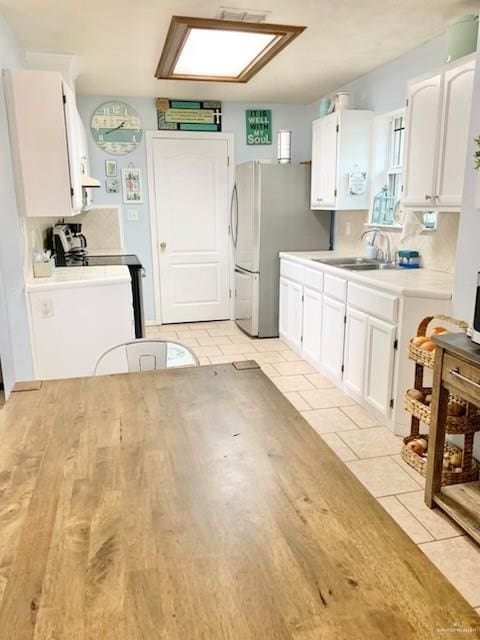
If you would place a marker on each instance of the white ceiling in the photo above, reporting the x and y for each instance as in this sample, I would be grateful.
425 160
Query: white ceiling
118 42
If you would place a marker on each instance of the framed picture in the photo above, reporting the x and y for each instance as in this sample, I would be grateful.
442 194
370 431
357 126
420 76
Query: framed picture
111 168
112 185
132 185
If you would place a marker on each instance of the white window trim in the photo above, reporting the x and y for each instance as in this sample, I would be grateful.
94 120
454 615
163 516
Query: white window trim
381 157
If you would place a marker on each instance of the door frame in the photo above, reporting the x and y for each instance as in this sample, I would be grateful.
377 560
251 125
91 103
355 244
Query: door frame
150 136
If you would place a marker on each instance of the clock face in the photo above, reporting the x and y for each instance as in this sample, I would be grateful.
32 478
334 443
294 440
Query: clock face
116 128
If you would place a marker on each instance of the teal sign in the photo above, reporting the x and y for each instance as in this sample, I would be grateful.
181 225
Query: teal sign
259 126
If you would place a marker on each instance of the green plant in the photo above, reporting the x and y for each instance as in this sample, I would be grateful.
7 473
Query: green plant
476 155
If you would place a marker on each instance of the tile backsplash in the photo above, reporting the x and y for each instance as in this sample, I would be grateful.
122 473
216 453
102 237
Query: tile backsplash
437 248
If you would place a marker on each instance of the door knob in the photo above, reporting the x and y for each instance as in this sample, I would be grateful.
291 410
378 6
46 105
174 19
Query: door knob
163 245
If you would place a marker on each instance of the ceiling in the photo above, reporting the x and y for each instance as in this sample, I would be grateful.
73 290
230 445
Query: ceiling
118 42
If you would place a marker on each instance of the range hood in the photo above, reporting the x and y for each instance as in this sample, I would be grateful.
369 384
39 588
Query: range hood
90 183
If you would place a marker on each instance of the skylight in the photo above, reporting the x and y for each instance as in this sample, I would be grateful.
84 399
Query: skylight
220 50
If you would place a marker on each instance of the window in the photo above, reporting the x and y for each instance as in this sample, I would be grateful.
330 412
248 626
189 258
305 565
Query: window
389 144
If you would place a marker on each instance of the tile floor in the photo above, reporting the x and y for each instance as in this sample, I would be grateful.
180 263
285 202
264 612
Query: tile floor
353 435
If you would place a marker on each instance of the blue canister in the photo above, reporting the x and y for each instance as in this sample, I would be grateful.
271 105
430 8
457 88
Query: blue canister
408 259
324 107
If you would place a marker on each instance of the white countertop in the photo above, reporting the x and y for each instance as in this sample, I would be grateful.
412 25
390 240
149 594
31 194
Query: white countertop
414 283
66 277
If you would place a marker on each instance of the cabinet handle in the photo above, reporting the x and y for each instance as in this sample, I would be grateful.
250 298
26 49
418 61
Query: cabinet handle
427 197
163 245
456 373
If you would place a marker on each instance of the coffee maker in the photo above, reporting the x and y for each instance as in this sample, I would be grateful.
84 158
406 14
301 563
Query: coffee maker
69 244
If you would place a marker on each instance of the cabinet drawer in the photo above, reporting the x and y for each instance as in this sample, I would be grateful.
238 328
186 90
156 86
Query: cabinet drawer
291 270
313 279
463 377
335 287
375 303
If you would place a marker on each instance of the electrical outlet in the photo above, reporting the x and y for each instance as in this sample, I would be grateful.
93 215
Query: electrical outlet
347 229
46 308
132 215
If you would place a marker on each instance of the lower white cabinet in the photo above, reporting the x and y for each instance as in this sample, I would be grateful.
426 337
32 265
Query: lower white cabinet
291 312
312 325
380 365
333 334
355 351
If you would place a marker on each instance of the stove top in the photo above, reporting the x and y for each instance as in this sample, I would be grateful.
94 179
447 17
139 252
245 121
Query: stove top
129 260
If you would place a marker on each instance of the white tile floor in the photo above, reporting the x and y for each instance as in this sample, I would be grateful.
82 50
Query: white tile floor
353 435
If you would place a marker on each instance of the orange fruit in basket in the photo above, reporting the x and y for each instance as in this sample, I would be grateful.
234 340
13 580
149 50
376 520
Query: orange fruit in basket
419 340
437 331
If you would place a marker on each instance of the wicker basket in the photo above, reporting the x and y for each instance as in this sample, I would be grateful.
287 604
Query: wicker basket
427 358
455 424
419 463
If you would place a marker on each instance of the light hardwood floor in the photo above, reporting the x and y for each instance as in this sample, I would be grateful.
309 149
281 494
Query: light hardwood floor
370 451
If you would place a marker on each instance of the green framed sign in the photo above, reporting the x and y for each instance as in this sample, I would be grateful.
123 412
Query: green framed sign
258 126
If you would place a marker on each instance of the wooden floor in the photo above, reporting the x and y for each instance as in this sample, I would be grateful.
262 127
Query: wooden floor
197 504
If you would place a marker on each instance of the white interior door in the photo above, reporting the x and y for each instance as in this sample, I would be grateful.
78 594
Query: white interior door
192 210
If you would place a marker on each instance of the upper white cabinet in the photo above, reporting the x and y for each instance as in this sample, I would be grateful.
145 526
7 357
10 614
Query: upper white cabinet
341 146
438 116
47 144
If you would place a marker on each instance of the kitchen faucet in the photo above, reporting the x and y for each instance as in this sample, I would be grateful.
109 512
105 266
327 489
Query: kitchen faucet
386 255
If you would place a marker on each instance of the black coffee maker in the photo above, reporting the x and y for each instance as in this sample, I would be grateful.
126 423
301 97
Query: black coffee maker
69 244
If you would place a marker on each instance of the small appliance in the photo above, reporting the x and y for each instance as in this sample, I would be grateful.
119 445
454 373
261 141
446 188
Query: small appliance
476 315
68 244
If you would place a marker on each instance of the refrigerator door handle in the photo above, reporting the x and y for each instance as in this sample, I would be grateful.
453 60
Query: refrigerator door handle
234 227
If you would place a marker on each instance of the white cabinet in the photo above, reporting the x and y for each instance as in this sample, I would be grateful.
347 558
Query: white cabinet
355 351
438 116
46 141
457 104
291 312
379 364
341 145
423 116
72 322
333 333
312 325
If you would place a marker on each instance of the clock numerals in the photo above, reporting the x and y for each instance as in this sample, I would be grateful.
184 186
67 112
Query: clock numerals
116 128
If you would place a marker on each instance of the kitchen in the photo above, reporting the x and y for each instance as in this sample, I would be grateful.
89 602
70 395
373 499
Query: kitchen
347 313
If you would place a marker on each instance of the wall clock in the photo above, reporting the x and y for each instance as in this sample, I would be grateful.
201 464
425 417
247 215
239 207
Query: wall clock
116 127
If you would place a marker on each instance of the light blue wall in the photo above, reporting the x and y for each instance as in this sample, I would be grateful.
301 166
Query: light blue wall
137 234
14 336
385 89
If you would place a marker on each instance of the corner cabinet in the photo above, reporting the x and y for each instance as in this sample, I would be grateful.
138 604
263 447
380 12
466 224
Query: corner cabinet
48 143
341 145
438 117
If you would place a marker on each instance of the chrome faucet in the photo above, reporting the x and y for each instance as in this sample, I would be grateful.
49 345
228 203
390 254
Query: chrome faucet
387 254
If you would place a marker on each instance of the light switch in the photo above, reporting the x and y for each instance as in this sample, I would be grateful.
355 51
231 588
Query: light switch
132 215
46 308
347 229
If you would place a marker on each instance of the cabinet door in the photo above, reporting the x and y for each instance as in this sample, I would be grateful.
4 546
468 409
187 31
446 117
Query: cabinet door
324 162
333 333
295 314
283 308
355 351
379 366
74 145
312 324
423 119
457 104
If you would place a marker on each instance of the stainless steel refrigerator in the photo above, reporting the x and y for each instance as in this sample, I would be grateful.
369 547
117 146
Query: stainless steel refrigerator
270 213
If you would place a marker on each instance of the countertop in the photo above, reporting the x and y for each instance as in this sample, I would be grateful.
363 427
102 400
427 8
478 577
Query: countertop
414 283
198 503
66 277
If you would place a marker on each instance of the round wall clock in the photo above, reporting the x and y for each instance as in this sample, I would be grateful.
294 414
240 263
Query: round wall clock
116 127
